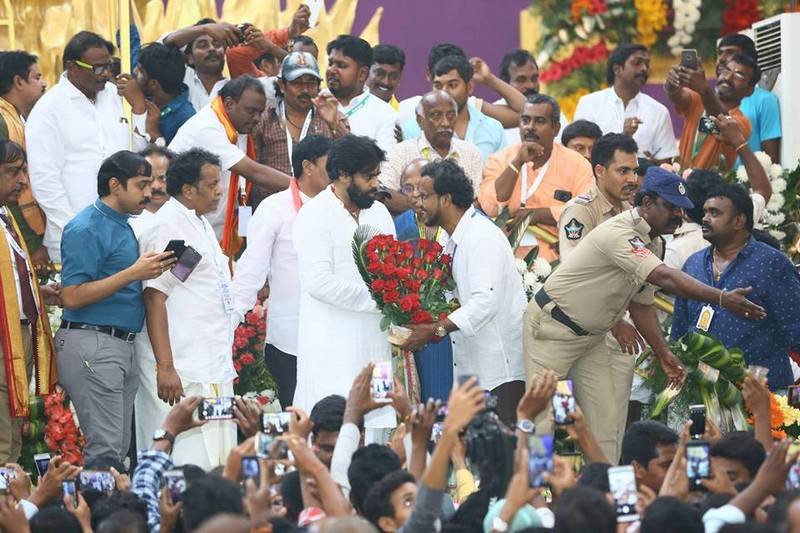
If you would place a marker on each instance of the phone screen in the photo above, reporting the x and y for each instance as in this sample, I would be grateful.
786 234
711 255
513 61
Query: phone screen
175 483
697 414
215 409
69 488
251 469
698 462
186 264
540 459
177 246
793 395
382 380
622 483
563 403
99 480
689 58
42 461
275 423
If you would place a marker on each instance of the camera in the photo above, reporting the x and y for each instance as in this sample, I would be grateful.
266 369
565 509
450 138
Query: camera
707 126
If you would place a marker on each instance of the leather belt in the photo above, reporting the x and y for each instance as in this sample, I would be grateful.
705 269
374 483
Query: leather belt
542 298
127 336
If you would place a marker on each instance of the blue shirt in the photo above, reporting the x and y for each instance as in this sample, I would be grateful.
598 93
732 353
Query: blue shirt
776 287
175 113
483 131
764 113
95 245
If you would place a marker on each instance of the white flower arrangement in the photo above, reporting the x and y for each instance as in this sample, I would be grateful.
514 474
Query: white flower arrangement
533 279
773 215
687 14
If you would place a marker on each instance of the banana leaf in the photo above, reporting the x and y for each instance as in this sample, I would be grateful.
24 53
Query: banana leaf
502 218
517 230
361 237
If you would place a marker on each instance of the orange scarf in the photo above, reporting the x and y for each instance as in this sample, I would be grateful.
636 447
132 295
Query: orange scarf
231 242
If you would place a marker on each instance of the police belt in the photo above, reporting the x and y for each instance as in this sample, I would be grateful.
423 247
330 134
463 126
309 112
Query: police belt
542 298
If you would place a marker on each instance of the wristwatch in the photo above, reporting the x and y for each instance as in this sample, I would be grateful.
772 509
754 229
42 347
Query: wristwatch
163 434
526 426
499 525
440 331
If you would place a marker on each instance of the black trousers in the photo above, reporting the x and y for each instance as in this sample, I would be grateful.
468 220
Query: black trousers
283 367
508 396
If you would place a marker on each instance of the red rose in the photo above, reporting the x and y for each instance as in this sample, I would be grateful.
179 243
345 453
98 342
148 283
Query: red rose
391 297
390 285
417 262
373 267
407 303
442 316
421 317
438 273
237 366
387 269
403 273
445 259
429 257
247 359
377 285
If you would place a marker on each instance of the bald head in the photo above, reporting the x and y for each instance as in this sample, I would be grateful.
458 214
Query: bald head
412 172
436 116
433 99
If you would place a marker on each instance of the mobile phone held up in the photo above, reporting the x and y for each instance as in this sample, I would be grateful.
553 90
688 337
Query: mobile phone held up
98 480
70 489
540 459
622 483
697 414
251 469
382 381
563 403
698 463
175 483
689 58
215 409
42 461
275 423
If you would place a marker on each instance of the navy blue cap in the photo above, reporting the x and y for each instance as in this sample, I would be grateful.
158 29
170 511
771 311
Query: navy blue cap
667 185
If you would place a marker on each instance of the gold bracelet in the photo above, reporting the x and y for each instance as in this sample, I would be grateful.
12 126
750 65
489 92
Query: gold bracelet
720 298
515 169
740 147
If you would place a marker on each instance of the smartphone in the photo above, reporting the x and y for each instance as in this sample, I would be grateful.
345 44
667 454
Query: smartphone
186 264
275 423
563 403
707 126
175 483
215 409
7 474
382 380
263 444
793 478
42 461
99 480
176 246
689 58
622 482
540 459
251 469
315 6
698 463
463 378
793 396
697 414
71 490
116 66
3 486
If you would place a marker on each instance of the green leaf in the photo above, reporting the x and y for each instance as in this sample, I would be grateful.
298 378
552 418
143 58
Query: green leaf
517 230
502 218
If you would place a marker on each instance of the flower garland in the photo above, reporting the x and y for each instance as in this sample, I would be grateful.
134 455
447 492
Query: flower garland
61 433
581 57
687 14
739 14
590 7
651 18
774 215
533 275
790 417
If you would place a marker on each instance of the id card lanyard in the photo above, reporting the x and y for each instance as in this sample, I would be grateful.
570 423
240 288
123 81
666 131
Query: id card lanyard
525 191
303 130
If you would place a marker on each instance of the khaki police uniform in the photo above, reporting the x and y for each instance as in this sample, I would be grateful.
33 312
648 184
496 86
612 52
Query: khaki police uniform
581 215
566 323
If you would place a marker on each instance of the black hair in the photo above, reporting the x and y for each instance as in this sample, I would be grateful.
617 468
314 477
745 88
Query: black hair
741 446
163 64
266 56
238 85
555 109
515 58
606 146
53 519
123 521
292 495
449 178
328 414
778 513
638 198
751 526
584 509
739 197
12 64
105 508
454 62
470 514
580 128
388 54
595 475
154 149
11 152
368 466
306 40
699 183
668 514
353 47
378 502
122 165
82 41
748 61
203 21
766 237
640 441
207 497
185 169
352 154
442 50
743 42
311 148
619 57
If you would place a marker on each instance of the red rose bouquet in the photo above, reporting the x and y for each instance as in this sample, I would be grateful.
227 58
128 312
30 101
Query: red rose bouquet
254 380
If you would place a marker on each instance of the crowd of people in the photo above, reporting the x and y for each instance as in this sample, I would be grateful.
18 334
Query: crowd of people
223 192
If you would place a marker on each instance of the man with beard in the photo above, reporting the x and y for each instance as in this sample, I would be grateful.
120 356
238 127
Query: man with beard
436 116
385 72
486 330
537 174
298 111
222 128
615 267
736 259
339 323
624 108
349 59
159 159
696 101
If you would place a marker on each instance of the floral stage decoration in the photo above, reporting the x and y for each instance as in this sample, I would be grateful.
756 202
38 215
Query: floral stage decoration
785 419
254 381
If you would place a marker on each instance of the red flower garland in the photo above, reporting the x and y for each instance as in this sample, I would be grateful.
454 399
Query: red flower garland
582 56
739 14
591 7
61 434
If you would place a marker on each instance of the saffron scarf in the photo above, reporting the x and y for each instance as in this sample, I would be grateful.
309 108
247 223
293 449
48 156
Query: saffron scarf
231 242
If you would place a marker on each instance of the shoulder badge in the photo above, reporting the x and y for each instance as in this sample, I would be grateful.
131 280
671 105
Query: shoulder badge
583 199
574 229
638 247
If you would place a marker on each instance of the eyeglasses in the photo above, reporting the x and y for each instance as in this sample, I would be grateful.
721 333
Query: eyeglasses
96 69
409 190
724 71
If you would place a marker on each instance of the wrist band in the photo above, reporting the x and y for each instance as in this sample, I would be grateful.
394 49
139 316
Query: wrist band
515 169
740 147
720 297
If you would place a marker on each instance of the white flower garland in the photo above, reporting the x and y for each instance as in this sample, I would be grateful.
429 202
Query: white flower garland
773 214
533 279
687 13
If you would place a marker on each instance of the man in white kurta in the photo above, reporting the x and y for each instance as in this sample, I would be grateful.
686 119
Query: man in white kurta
197 314
339 323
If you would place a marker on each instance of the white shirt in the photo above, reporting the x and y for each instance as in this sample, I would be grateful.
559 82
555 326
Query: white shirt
654 134
140 223
339 324
198 96
488 341
67 138
204 130
270 255
12 247
200 332
512 134
371 117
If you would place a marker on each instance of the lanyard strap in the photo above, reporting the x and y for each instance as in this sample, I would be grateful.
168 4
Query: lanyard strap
298 201
353 110
526 192
303 130
12 236
421 230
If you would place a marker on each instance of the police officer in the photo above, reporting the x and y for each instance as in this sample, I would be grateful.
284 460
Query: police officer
614 268
615 165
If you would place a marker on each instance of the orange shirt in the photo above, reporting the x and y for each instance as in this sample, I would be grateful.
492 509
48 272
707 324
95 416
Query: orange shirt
568 175
708 155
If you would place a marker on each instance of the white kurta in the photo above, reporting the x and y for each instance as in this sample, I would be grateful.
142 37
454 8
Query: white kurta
339 328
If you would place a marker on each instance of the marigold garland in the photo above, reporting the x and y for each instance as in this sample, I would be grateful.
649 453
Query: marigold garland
651 18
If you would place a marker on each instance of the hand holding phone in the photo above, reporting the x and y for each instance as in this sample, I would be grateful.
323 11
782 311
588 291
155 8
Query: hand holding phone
216 409
70 489
689 58
186 263
698 463
175 482
697 414
275 423
251 469
42 461
382 380
563 403
540 459
622 483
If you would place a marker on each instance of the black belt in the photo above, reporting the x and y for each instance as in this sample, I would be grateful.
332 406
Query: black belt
127 336
542 298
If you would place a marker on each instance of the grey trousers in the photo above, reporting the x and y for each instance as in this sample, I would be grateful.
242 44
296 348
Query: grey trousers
99 373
